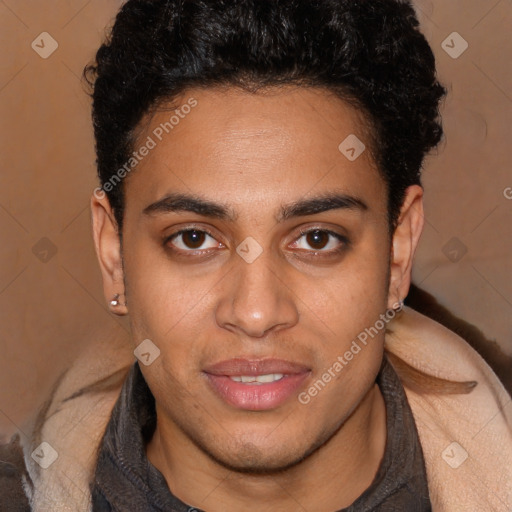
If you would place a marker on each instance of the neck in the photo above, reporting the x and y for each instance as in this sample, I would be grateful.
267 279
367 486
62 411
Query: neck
332 477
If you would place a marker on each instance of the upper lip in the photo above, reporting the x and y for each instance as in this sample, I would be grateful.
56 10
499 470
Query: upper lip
254 367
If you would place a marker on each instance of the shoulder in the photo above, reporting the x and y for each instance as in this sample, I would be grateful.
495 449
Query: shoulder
466 438
67 435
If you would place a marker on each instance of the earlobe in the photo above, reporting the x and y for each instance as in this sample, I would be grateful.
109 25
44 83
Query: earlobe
404 244
108 251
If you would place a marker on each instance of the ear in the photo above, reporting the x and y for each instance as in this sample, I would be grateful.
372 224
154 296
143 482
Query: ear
404 243
108 250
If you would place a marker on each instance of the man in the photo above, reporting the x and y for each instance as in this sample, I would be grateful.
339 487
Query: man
259 210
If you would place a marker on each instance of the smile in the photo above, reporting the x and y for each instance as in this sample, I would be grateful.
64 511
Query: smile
258 379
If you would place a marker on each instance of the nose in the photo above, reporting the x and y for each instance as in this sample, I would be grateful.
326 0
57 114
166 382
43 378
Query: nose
256 299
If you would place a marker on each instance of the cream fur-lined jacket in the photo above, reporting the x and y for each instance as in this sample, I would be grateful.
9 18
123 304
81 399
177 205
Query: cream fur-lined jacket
466 438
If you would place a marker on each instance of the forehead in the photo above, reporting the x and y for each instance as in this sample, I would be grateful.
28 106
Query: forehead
274 145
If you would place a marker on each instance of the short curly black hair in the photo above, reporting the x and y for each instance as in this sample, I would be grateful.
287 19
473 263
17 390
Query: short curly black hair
370 53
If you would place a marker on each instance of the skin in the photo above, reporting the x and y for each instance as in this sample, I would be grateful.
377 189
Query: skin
301 300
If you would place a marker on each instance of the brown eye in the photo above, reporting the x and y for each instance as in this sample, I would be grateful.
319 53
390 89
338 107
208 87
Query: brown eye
193 239
189 240
320 241
317 239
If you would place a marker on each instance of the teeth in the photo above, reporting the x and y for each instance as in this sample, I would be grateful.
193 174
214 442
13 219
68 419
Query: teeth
257 379
271 377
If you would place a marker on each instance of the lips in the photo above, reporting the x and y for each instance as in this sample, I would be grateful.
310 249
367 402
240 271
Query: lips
256 385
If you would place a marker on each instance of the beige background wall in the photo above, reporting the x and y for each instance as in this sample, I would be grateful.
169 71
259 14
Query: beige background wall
51 304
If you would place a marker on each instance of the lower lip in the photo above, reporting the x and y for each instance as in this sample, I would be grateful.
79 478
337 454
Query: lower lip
256 397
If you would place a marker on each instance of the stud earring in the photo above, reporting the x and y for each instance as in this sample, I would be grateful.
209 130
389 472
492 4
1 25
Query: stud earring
115 301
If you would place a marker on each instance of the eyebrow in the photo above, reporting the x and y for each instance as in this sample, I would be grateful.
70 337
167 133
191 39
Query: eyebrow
195 204
190 203
321 204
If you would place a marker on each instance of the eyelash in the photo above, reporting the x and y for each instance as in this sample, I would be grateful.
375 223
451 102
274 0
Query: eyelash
344 243
190 252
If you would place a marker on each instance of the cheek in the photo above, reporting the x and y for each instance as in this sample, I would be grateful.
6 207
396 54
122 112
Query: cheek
352 349
352 296
162 295
347 306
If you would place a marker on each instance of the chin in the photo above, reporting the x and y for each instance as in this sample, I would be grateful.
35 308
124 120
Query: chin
250 458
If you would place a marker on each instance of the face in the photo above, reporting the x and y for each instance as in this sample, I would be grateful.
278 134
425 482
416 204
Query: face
254 253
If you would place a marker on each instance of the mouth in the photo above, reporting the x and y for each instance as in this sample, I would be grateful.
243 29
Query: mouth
256 385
